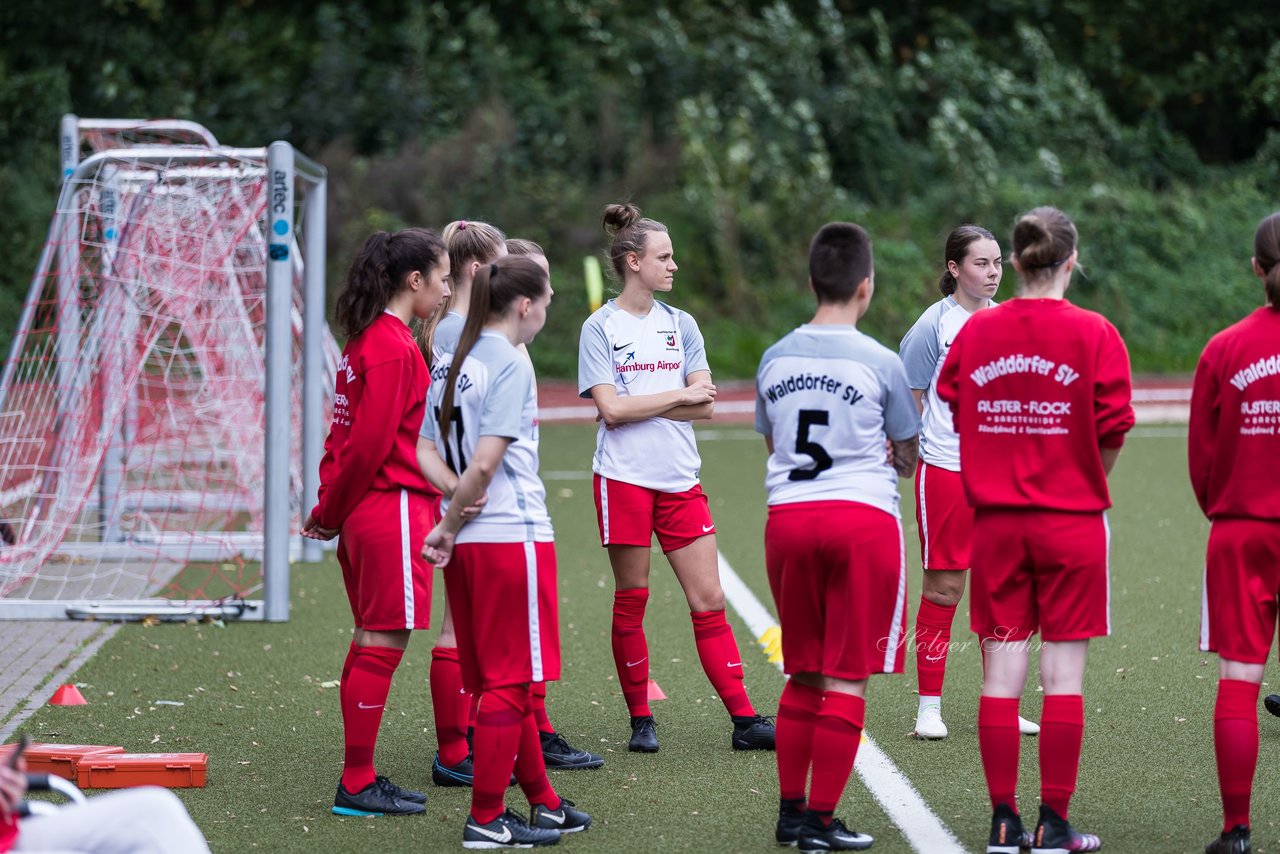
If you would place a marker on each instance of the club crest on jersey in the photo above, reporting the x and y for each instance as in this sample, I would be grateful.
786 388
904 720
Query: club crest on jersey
668 338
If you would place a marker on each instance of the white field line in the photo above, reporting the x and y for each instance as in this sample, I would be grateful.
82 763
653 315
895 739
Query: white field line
920 825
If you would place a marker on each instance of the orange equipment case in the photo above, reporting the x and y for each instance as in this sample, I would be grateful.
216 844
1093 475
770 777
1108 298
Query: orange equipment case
121 770
60 759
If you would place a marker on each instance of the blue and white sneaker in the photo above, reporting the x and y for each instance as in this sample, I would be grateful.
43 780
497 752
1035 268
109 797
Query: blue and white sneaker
564 818
508 830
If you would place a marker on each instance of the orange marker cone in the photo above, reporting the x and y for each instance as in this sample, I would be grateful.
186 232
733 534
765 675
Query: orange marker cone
655 693
68 695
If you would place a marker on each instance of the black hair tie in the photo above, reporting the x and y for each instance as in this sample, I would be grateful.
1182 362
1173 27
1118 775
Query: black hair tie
493 269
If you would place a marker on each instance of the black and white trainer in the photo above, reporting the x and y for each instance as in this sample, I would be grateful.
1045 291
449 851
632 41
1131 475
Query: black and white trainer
1272 702
559 754
1234 841
1055 835
508 830
565 818
790 818
1007 835
373 799
814 838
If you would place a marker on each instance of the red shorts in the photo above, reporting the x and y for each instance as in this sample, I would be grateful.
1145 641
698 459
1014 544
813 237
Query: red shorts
505 612
1241 583
838 574
1040 571
944 517
630 515
380 552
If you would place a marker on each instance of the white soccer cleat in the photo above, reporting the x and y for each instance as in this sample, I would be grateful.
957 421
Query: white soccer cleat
929 723
1027 727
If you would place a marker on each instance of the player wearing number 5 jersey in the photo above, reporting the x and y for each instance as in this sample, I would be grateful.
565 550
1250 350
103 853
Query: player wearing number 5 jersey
643 364
1039 392
1234 454
827 399
500 566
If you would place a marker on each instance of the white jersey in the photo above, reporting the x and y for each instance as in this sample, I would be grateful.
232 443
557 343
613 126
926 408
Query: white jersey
496 396
828 397
444 340
639 356
923 349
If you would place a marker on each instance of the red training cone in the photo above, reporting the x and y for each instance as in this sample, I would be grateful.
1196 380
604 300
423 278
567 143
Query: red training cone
655 693
68 695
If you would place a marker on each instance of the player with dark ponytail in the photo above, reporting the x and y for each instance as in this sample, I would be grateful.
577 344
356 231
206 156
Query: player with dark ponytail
500 567
374 497
1234 453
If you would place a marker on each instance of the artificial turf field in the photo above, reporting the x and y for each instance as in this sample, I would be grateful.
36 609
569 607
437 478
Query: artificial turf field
256 701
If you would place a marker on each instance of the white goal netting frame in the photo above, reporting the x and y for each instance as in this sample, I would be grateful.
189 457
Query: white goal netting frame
163 404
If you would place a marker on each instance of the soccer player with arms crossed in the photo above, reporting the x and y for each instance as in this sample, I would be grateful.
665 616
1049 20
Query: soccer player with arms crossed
1234 453
943 515
828 397
500 567
644 366
1039 392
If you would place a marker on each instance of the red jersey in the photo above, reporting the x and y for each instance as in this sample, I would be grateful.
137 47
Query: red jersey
1036 387
377 411
1233 444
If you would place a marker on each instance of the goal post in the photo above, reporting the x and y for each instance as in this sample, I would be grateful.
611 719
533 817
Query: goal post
150 409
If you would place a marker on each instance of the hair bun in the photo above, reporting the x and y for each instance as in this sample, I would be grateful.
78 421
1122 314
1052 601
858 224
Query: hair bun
618 217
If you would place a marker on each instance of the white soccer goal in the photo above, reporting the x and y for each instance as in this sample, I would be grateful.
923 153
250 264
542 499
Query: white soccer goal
163 404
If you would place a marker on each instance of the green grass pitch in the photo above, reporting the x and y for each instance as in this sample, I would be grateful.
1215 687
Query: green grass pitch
255 699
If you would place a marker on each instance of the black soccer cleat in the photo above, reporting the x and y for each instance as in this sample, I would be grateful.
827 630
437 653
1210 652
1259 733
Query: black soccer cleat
565 818
1234 841
559 754
1272 702
644 735
462 774
508 830
1055 835
790 817
753 732
403 794
373 799
814 838
1007 835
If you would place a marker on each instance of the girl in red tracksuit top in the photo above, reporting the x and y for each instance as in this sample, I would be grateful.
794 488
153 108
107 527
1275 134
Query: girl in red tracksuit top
1233 447
374 495
1039 391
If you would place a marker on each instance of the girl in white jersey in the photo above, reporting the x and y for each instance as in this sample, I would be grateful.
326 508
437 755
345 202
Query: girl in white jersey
644 365
943 515
500 567
471 245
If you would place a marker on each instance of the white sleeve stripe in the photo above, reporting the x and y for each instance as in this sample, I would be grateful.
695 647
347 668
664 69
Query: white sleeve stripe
894 639
406 559
604 508
924 515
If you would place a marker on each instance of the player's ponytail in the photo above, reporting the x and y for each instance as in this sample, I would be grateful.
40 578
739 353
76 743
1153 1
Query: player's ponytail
467 241
1266 251
630 232
495 288
1043 240
378 272
957 249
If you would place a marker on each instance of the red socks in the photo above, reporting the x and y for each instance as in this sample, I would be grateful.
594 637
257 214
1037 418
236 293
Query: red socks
630 649
718 652
497 740
450 703
362 696
540 708
531 770
1061 734
797 714
998 743
1235 743
933 640
838 729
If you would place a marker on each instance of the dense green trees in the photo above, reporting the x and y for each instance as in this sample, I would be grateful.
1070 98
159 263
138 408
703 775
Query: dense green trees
743 125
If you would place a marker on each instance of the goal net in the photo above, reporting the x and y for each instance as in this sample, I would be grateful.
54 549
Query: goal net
139 424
